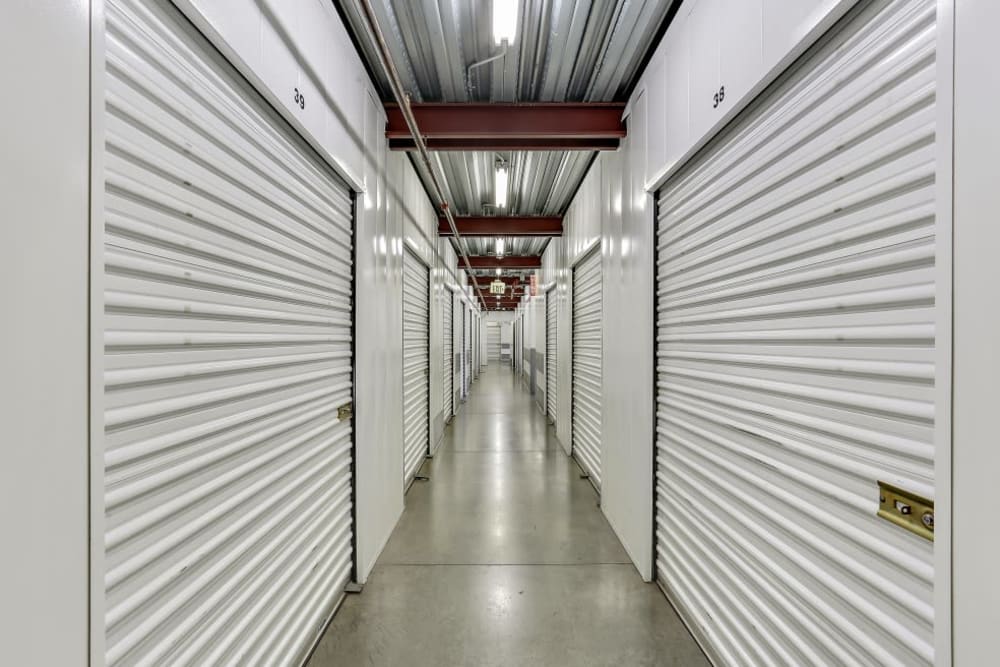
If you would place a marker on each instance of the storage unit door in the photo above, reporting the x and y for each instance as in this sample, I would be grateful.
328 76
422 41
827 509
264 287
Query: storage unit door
795 358
468 351
493 341
587 351
416 365
228 294
448 333
551 367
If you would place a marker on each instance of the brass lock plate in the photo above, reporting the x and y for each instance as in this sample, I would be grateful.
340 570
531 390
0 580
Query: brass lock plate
906 510
345 412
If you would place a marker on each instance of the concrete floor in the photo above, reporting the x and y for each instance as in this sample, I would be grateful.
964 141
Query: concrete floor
504 558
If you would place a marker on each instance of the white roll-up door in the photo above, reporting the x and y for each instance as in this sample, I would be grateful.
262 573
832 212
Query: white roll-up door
493 341
228 295
448 337
416 365
477 350
587 360
468 350
795 360
551 364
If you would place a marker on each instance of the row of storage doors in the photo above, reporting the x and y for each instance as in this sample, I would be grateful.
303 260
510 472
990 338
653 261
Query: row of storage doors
228 288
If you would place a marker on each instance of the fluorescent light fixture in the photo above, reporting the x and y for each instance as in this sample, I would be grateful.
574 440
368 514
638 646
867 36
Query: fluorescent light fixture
499 247
501 187
499 271
504 20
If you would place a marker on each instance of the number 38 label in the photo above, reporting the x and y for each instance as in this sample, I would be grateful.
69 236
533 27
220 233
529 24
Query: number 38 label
719 97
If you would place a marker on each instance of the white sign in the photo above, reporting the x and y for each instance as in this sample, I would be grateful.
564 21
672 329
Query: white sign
498 287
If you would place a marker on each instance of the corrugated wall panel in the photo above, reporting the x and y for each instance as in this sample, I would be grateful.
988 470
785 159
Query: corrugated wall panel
416 365
228 349
588 314
795 357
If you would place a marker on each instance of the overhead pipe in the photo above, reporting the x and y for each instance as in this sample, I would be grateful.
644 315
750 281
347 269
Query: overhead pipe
403 100
468 72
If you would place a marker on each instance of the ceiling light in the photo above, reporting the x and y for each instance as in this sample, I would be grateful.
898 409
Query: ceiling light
499 247
501 187
504 20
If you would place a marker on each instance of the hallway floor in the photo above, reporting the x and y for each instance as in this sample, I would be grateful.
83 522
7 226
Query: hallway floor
504 558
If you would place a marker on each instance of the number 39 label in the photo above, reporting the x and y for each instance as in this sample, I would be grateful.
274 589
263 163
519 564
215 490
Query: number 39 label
300 99
719 97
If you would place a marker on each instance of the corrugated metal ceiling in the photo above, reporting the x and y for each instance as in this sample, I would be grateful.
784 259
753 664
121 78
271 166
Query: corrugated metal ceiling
565 51
541 182
513 245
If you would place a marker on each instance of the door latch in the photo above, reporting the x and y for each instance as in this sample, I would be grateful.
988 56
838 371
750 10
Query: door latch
345 411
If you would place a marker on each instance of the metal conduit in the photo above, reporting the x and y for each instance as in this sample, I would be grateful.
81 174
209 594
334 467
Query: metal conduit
403 100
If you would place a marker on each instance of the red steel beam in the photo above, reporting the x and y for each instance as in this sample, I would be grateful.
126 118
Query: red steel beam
508 144
479 127
508 262
503 226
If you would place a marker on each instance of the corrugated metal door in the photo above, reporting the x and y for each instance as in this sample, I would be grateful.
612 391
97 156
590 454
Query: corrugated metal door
468 350
477 347
448 334
587 359
493 341
551 366
795 359
416 365
228 349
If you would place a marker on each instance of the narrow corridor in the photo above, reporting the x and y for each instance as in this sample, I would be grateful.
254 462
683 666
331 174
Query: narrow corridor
504 558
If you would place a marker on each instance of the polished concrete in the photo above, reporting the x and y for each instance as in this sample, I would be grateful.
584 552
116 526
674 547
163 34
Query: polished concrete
504 558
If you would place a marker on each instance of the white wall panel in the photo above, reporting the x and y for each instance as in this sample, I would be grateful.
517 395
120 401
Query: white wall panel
976 457
628 327
378 413
281 46
715 44
44 252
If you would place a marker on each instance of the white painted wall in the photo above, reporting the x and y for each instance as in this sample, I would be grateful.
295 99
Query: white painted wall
284 46
44 264
715 44
975 454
